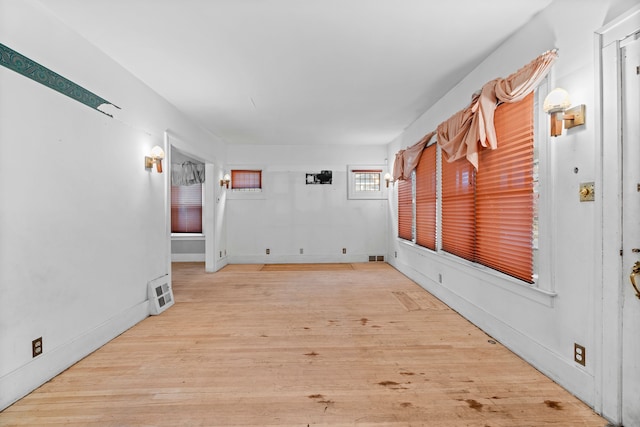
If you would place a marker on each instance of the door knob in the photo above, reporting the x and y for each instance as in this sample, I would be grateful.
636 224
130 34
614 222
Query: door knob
634 272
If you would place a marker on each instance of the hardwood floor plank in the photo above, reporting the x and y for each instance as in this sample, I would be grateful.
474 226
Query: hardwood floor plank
301 346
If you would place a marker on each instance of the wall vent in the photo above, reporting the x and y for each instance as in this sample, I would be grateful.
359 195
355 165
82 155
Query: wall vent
374 258
160 295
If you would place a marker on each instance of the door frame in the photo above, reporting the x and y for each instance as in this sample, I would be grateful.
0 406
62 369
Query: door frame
208 204
607 321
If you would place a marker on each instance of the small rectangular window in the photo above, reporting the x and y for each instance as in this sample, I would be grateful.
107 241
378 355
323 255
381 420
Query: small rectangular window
246 180
366 180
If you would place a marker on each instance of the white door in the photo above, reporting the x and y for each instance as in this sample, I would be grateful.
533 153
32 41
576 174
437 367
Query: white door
630 56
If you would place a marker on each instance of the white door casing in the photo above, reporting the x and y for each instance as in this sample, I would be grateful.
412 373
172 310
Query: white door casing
630 79
617 154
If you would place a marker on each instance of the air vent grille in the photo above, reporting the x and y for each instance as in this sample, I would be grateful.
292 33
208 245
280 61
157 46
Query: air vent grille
160 295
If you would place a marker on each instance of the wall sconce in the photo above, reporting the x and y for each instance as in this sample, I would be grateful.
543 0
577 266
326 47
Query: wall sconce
156 156
388 179
226 179
557 104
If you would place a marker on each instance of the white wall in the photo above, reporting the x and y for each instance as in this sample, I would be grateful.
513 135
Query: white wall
291 215
542 324
82 222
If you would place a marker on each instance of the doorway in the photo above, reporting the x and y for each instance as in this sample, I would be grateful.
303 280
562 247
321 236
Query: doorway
176 145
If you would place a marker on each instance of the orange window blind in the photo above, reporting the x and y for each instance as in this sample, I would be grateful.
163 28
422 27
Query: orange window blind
504 194
405 210
426 193
246 179
186 208
458 208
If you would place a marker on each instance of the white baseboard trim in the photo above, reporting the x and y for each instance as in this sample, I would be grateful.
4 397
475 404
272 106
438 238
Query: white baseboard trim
297 259
22 381
187 257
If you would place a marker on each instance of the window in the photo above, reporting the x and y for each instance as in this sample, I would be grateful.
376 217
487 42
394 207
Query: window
505 194
405 208
246 180
458 208
366 182
186 208
426 197
488 216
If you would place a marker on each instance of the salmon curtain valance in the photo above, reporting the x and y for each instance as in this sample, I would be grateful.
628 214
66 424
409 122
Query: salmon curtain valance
407 160
511 89
471 129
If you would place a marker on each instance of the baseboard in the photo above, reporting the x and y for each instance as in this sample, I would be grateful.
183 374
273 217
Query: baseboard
297 259
187 257
17 384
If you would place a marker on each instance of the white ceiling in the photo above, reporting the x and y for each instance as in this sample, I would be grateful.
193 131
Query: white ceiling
299 71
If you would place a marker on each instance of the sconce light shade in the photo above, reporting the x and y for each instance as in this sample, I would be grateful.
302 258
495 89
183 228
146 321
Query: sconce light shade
157 152
557 100
556 103
387 178
225 180
155 157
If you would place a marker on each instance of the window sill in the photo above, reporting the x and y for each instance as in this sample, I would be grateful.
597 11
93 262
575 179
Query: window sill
487 275
187 236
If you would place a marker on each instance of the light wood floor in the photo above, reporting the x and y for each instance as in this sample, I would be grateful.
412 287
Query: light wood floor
301 345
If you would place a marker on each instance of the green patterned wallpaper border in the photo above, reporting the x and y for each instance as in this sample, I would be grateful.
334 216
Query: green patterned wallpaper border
21 64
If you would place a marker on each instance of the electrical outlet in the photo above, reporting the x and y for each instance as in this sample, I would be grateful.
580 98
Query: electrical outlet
344 250
395 254
268 251
301 251
36 347
439 278
579 354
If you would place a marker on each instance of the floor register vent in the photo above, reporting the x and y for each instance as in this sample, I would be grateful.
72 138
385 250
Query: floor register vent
160 295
